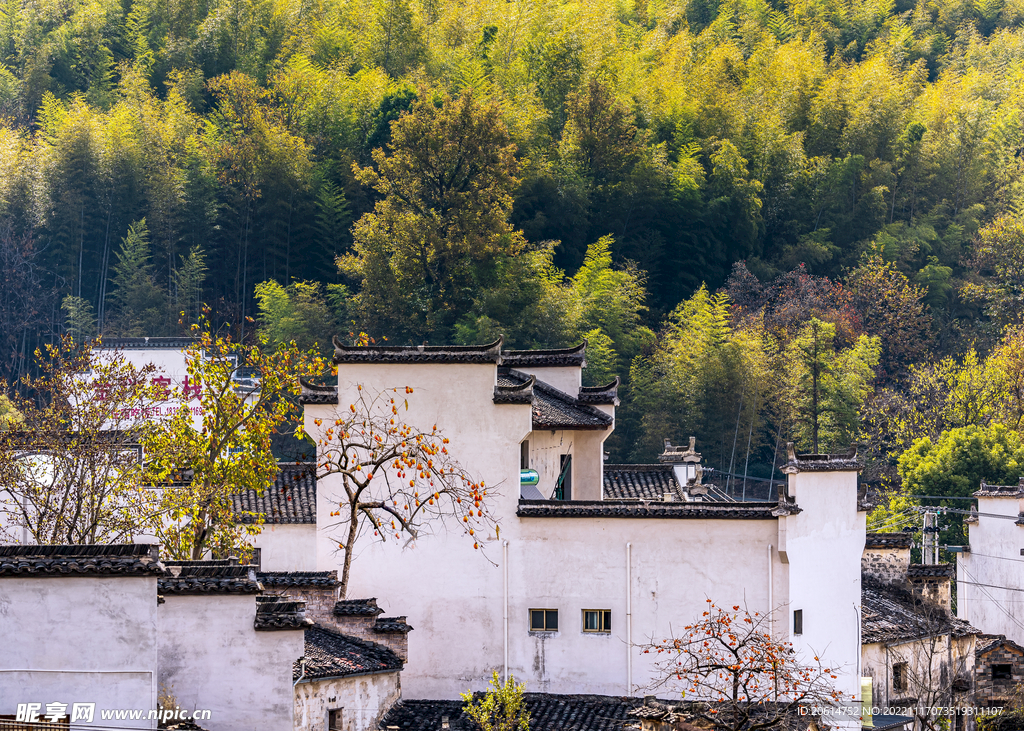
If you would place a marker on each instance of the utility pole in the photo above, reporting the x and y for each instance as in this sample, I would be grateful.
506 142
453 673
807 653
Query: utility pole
930 539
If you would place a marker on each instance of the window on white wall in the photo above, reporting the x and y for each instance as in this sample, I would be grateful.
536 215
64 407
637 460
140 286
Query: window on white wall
798 622
524 454
597 620
543 620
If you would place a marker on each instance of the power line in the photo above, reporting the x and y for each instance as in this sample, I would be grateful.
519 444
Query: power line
924 508
942 497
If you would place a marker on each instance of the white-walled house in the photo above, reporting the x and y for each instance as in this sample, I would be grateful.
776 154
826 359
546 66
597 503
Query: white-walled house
990 578
78 630
609 547
105 635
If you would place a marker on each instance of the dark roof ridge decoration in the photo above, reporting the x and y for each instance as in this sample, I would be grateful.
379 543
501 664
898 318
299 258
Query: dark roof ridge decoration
175 343
193 579
317 393
290 500
547 358
676 454
821 462
519 394
607 394
887 540
554 409
893 613
119 559
298 579
987 490
357 607
941 570
392 625
275 613
646 509
330 654
489 353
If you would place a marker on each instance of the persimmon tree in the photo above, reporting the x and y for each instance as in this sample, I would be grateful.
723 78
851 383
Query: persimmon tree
396 479
740 677
206 454
70 467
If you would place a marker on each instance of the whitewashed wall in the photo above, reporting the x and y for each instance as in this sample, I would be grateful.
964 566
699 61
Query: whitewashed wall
89 639
454 596
364 699
212 658
287 547
990 578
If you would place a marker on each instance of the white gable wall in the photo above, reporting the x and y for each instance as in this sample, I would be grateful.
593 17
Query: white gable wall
212 658
287 546
988 585
89 639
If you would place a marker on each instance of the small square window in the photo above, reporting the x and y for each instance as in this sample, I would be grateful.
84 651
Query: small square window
543 620
798 622
899 676
1002 672
597 620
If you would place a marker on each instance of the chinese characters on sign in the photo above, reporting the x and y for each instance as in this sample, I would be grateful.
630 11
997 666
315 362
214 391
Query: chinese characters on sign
190 389
33 712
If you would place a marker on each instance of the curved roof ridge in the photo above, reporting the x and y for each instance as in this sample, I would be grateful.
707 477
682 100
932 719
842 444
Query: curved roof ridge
548 357
489 353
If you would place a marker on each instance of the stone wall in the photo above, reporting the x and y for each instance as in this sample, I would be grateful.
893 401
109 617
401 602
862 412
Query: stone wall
988 691
888 565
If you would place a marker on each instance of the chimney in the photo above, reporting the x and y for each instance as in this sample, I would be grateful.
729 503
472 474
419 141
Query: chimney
685 462
932 583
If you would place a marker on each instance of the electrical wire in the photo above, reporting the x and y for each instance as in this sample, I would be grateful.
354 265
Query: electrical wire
991 598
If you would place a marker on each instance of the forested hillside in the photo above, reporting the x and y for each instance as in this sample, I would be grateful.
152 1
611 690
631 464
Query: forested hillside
773 219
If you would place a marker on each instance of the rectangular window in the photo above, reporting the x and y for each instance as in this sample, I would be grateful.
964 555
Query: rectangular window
597 620
334 719
524 454
543 620
798 622
563 487
899 676
1002 672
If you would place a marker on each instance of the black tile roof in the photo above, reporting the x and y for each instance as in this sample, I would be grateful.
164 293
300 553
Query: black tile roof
357 607
191 577
1001 490
548 712
521 393
145 343
893 614
297 579
115 560
945 570
330 654
317 393
887 540
821 462
291 499
274 613
392 626
553 409
640 481
653 509
606 394
987 643
574 356
490 353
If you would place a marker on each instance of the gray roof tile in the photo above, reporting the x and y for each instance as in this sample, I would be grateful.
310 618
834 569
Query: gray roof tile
330 654
291 499
80 560
892 614
553 409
